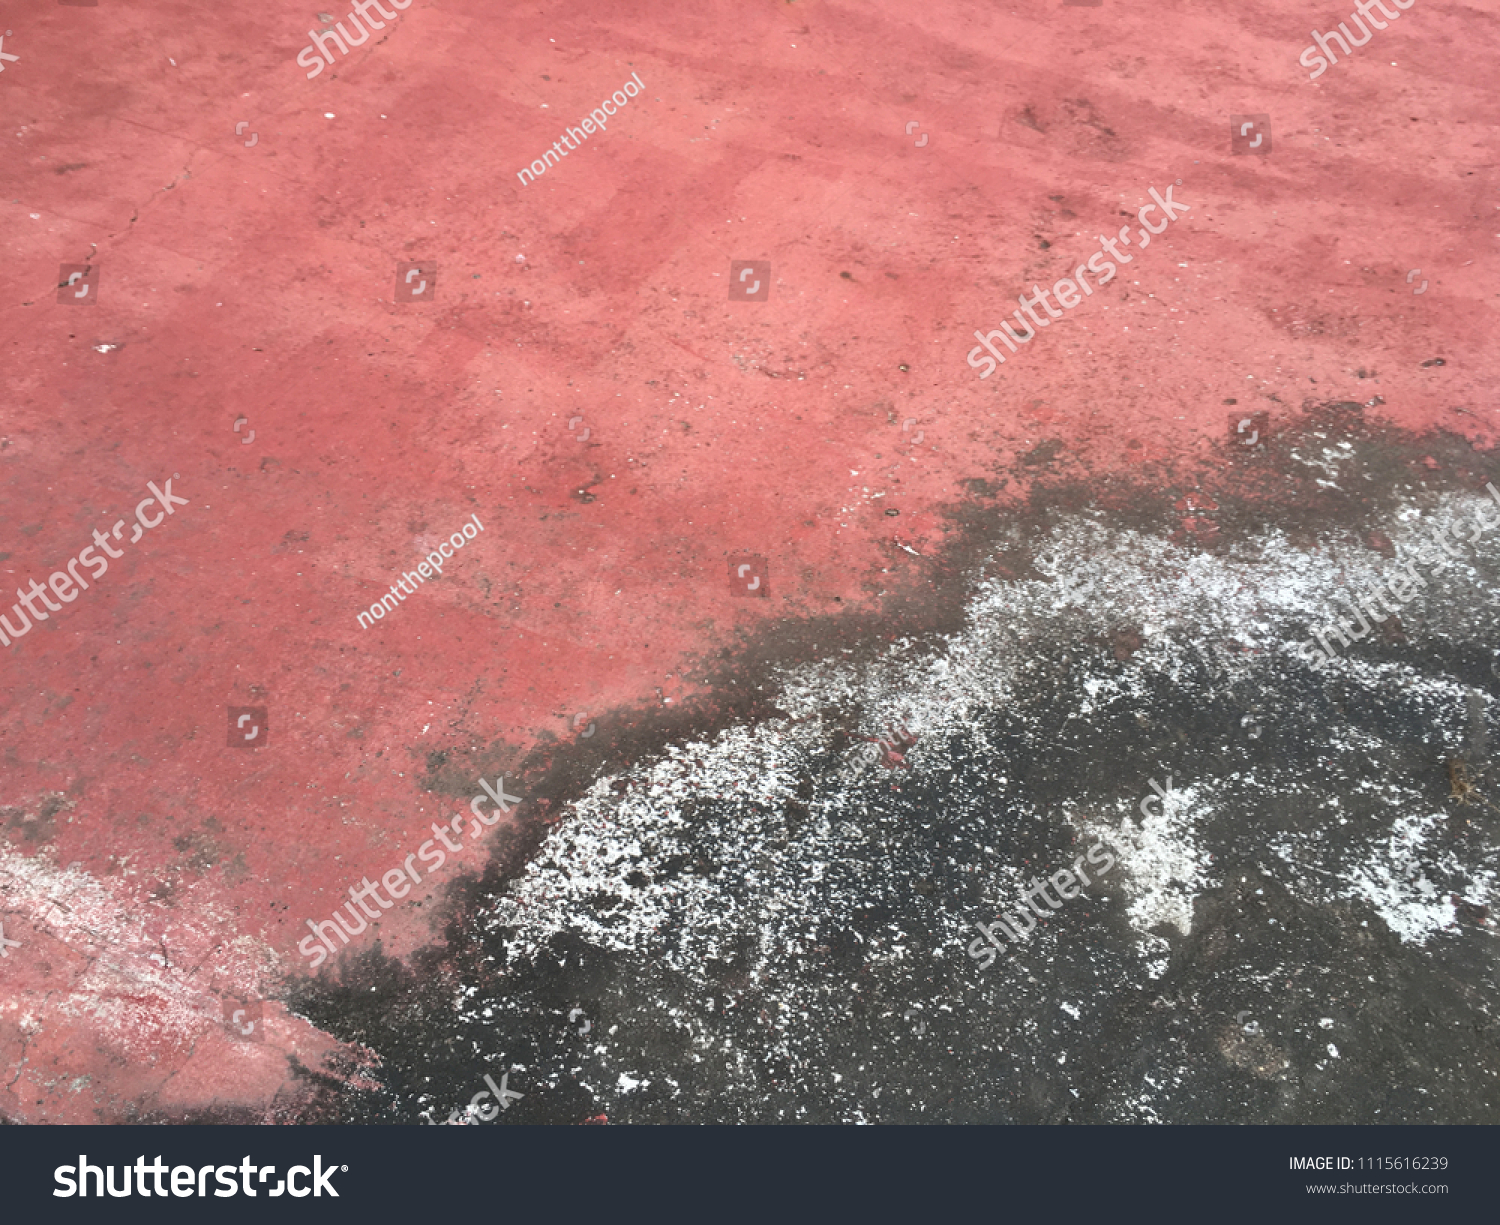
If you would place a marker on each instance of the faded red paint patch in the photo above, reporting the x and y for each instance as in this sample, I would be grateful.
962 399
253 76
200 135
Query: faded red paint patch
257 283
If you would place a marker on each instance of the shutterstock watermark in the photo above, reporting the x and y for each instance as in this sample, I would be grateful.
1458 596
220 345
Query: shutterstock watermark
1402 581
424 275
62 585
749 280
749 575
1024 920
504 1095
78 284
188 1182
308 57
1067 288
1345 38
259 721
890 748
429 853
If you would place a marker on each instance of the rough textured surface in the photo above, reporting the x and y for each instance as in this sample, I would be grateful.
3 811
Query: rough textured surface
760 915
756 930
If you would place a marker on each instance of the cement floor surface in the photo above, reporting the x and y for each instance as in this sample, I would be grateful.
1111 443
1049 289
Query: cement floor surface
725 542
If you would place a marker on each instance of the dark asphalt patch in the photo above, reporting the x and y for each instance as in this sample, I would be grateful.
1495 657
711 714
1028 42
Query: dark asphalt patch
753 935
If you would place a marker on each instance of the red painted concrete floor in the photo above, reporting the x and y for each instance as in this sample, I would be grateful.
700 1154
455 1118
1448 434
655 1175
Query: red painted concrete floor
582 382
